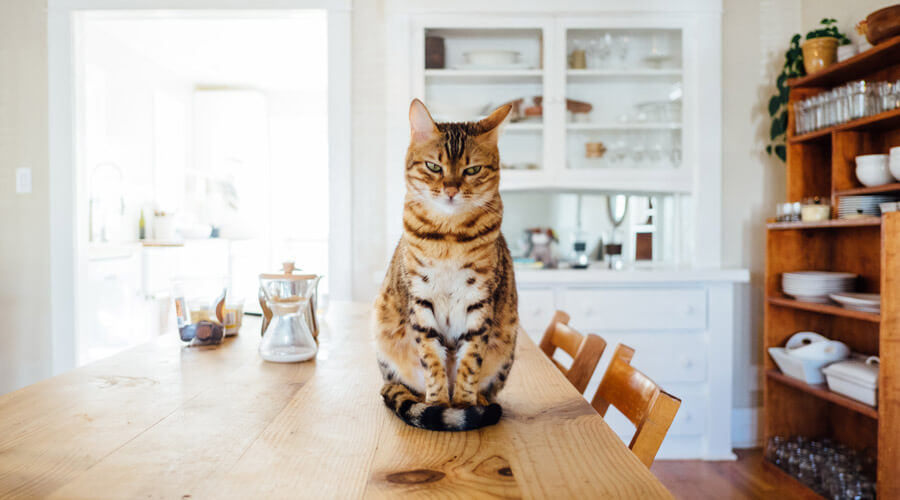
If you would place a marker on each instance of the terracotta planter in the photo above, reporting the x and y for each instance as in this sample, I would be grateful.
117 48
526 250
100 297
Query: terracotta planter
819 53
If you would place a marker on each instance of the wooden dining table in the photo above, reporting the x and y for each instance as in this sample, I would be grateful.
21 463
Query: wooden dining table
163 420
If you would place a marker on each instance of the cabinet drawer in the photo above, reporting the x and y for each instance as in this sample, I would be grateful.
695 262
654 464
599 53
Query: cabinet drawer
610 309
669 358
536 309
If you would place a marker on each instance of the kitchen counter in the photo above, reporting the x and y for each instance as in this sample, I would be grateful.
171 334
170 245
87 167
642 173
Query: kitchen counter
633 275
166 421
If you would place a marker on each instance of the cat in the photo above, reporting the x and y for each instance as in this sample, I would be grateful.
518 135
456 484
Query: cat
446 318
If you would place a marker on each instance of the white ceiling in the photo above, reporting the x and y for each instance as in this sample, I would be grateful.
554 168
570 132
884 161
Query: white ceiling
288 52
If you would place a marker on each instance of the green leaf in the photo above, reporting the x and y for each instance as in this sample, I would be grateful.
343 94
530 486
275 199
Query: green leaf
769 149
785 95
779 82
774 104
779 125
781 152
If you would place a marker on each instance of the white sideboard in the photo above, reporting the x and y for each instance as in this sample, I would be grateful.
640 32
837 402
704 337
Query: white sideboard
681 324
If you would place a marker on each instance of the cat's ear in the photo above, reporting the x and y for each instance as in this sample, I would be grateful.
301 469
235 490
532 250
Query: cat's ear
491 125
421 125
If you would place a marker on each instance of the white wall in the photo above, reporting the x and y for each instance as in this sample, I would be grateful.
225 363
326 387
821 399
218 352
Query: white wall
25 340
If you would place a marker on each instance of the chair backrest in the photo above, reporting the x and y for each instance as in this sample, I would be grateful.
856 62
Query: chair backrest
648 407
585 350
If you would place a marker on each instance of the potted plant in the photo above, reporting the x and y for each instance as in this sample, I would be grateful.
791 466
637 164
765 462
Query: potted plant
793 68
796 65
820 47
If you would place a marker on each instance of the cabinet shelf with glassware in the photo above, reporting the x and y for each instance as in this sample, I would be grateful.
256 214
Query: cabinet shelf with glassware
823 163
602 104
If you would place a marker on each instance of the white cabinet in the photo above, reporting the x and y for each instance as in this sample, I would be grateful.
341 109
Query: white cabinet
114 310
636 309
652 76
680 326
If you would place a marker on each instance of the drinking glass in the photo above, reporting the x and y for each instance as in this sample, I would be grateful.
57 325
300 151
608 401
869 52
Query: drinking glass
620 47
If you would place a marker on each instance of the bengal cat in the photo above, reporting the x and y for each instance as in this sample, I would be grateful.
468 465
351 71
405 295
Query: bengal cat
446 316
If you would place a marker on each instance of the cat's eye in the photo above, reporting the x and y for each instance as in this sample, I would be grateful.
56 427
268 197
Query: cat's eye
433 167
472 170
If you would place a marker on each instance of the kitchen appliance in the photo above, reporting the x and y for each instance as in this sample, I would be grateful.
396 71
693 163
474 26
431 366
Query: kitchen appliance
581 260
855 378
290 326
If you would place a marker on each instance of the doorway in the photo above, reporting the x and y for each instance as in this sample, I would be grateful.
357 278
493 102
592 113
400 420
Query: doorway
203 145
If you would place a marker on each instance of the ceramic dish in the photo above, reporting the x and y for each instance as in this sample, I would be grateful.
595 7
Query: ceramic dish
867 302
872 170
492 58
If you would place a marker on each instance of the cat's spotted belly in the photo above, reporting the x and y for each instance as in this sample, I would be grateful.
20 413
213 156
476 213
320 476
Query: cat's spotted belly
451 290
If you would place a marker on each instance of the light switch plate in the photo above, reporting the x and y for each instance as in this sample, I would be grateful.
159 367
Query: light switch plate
23 180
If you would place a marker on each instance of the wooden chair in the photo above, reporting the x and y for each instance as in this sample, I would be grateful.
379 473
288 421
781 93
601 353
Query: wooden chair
648 407
585 350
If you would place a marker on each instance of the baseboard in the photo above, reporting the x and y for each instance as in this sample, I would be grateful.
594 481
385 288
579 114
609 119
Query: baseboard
746 428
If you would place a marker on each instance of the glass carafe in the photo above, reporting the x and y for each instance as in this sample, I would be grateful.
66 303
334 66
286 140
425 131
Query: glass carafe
288 337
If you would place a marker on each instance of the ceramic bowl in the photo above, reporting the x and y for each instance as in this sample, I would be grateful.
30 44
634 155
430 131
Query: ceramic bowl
872 170
894 162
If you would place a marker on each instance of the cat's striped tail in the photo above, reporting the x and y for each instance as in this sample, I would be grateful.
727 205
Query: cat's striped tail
411 410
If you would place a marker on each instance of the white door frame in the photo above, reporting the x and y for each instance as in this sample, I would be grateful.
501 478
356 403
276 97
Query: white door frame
68 252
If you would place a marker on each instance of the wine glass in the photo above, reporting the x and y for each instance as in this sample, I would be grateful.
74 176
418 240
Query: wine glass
620 47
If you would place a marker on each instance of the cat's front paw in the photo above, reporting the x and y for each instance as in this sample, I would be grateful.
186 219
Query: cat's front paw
464 399
438 399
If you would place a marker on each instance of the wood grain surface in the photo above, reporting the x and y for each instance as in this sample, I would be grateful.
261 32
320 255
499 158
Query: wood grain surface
166 421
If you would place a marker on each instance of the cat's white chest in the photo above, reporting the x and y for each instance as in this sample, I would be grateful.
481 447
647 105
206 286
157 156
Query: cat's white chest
448 290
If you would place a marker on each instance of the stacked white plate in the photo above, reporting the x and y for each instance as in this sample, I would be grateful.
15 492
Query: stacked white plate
816 286
866 302
864 205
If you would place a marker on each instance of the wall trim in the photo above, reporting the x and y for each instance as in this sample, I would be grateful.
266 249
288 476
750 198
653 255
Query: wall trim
746 428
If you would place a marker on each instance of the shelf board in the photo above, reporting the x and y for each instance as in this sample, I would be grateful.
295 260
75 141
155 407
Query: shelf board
523 127
855 68
787 482
623 126
887 188
589 75
481 75
825 224
834 310
882 121
821 391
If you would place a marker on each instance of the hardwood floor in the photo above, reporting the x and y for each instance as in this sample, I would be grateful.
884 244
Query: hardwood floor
748 477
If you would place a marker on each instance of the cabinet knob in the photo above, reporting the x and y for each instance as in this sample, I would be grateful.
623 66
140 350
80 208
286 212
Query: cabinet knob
589 311
689 309
687 363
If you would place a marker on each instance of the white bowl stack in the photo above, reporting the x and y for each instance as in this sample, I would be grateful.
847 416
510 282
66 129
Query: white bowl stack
894 162
816 286
864 205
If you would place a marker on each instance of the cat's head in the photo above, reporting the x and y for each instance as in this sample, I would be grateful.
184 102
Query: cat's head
453 167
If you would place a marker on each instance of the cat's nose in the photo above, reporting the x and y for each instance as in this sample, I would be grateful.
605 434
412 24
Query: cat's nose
451 191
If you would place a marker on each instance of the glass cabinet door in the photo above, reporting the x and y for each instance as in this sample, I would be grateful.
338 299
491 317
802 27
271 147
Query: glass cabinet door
623 98
468 72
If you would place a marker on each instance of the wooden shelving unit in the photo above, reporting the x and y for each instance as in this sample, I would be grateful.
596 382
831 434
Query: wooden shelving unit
822 163
833 310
